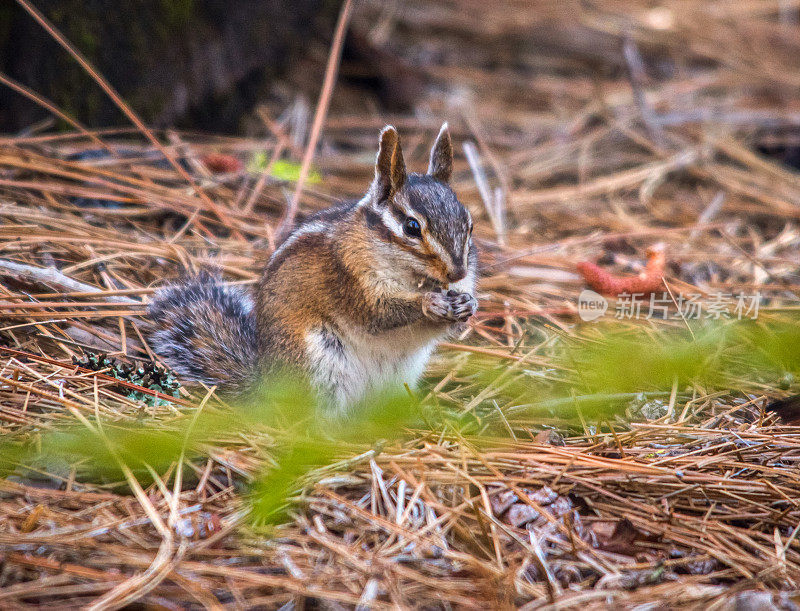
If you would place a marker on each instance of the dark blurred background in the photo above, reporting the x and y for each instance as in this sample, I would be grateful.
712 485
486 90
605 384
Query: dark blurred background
206 64
201 64
517 71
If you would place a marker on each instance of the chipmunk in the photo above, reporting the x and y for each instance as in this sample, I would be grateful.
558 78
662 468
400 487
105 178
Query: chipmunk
357 296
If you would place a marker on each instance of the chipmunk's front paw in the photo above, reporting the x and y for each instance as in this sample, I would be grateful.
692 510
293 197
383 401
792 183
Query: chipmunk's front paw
450 306
436 306
463 305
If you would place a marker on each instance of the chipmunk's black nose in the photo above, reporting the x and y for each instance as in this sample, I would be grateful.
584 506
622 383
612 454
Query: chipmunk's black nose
456 274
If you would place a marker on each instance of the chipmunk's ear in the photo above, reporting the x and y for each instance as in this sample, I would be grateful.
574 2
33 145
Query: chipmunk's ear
390 169
441 164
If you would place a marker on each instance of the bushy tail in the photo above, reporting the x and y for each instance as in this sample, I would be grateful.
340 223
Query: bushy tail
206 332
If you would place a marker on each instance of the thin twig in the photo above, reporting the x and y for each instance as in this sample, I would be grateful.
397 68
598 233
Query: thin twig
331 69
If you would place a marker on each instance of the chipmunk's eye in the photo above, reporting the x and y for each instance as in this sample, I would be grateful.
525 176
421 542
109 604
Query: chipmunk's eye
411 227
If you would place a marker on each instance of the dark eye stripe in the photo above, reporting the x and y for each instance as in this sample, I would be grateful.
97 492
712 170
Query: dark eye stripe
397 212
374 220
375 223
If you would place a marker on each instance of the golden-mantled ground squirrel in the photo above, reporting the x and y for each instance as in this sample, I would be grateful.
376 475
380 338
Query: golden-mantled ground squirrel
357 297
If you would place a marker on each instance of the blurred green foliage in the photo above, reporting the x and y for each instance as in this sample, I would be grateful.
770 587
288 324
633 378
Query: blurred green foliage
282 169
594 374
638 359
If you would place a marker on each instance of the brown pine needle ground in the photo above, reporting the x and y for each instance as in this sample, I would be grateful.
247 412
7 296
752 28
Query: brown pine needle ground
615 125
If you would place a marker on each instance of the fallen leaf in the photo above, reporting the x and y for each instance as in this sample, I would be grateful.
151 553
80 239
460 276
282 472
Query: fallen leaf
220 163
648 281
618 537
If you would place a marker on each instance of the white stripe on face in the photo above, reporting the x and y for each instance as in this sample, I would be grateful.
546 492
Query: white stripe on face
396 227
392 223
465 255
440 251
450 261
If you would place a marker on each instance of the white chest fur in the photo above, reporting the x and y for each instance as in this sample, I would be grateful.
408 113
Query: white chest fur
350 365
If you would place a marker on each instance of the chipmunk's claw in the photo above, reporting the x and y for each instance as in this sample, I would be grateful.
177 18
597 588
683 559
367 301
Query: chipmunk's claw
451 306
463 306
